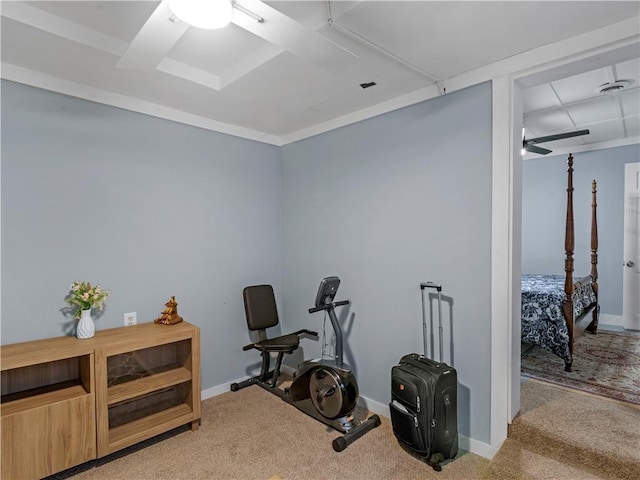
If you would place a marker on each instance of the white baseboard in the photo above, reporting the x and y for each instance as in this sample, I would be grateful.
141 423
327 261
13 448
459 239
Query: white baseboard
613 320
479 448
469 444
219 389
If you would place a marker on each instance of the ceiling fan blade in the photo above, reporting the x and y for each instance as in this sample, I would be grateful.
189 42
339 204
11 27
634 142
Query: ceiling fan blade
559 136
536 149
290 35
154 40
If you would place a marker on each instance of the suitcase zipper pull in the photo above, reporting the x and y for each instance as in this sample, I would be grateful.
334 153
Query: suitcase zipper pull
418 404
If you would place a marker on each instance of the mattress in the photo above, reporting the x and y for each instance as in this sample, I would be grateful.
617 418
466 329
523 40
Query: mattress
543 323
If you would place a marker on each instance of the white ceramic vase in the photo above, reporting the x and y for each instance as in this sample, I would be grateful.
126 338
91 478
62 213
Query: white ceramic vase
86 328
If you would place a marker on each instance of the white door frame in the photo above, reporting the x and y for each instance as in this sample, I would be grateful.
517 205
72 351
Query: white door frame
560 60
631 257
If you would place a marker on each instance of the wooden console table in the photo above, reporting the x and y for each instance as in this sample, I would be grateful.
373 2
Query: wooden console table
66 401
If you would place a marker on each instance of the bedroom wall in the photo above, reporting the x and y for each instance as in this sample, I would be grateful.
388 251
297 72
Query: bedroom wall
145 207
544 211
149 208
386 204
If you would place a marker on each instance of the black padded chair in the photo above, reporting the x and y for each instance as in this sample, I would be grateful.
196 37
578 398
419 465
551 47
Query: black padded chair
261 313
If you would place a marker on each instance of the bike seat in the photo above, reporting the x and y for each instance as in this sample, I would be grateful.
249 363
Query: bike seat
285 343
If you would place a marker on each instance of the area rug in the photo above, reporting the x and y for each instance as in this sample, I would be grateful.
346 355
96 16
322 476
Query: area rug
606 364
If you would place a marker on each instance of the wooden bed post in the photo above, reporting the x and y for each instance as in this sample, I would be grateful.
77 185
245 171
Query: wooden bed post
593 326
569 245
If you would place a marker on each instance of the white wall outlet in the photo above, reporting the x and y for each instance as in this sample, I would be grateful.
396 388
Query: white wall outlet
130 319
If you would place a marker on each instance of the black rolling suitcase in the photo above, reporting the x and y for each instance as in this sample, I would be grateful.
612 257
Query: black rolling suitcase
424 400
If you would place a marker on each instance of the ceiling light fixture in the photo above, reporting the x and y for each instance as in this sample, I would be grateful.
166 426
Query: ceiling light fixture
207 14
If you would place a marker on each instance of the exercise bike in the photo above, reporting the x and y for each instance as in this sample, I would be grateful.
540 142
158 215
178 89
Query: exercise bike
325 389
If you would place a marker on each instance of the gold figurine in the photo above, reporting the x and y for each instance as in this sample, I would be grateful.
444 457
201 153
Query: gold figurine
170 314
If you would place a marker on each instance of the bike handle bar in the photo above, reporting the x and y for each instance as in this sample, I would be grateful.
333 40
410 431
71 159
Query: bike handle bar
326 307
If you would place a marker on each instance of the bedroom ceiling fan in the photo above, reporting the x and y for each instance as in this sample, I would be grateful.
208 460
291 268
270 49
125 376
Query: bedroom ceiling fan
529 144
168 23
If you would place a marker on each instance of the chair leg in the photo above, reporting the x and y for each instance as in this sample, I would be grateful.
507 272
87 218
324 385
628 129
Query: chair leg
264 369
276 370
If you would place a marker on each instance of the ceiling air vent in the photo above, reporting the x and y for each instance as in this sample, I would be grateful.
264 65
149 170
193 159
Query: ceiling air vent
612 87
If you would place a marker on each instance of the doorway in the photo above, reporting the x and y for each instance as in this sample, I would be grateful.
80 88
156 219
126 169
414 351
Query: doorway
518 83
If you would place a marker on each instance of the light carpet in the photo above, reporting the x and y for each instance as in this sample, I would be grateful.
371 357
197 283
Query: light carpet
560 434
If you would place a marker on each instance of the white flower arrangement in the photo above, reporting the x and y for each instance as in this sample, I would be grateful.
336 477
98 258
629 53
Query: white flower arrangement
84 296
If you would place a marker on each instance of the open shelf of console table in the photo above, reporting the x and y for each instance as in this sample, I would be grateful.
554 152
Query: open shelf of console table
67 401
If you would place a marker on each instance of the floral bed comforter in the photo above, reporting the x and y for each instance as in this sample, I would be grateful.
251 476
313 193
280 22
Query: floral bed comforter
542 320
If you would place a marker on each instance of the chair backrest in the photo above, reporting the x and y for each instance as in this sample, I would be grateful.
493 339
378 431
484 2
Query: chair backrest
260 307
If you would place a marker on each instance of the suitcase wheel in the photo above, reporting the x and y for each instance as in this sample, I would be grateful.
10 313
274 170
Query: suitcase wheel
435 460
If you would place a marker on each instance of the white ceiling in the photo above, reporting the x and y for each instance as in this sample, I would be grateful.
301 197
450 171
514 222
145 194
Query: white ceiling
575 103
297 73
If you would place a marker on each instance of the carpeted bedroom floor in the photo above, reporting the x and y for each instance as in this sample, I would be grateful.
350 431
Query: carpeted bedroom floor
251 434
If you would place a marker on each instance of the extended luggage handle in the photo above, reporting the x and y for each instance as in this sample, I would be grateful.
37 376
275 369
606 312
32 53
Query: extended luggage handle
438 288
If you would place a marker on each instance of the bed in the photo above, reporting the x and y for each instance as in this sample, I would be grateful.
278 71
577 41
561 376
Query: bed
555 308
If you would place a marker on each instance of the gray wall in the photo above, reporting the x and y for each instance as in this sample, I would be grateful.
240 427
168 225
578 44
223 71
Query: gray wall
150 208
544 209
385 204
145 207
